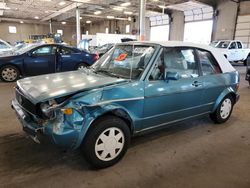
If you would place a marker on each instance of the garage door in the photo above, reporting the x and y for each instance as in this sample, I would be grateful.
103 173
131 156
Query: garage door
242 32
159 28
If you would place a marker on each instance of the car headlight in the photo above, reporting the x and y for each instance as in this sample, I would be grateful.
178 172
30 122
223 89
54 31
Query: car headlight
46 110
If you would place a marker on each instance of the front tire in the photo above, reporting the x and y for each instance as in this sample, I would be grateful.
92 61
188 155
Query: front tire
106 142
9 73
223 111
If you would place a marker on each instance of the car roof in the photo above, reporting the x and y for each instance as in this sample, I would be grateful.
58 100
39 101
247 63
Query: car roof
222 61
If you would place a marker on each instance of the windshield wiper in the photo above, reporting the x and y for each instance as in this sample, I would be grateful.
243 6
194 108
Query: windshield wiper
106 72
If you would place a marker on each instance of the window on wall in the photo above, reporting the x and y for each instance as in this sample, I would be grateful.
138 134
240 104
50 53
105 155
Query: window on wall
127 28
107 30
12 29
60 31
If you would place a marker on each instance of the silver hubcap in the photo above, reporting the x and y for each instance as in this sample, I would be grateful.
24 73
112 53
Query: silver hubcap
225 108
109 144
9 74
81 67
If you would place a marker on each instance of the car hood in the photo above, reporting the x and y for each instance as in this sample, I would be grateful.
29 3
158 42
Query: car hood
50 86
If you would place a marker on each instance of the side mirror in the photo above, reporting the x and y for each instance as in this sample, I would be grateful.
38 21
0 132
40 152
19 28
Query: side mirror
171 76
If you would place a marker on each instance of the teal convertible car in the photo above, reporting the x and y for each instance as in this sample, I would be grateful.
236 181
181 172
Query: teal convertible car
135 87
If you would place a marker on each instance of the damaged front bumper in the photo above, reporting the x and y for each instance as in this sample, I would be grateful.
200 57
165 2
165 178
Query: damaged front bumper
61 132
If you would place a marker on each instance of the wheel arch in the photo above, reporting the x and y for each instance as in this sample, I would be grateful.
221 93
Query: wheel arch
227 91
11 64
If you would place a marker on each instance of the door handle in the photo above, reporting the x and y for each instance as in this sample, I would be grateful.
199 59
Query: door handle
196 84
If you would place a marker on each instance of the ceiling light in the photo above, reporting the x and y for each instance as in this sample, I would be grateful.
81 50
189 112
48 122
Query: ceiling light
118 8
36 17
125 4
127 12
129 18
80 18
97 12
88 21
110 17
63 23
62 3
21 22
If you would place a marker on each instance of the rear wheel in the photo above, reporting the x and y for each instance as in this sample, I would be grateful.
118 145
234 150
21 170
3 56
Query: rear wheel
81 66
106 142
224 110
9 73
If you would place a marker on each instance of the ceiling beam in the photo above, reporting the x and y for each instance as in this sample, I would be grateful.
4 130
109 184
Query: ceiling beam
63 10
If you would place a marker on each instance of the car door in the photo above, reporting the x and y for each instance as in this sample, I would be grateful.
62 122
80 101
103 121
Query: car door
40 60
232 52
240 54
179 94
68 59
212 79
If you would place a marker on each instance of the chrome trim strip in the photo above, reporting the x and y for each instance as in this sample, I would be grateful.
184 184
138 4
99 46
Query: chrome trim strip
115 100
170 122
173 93
179 110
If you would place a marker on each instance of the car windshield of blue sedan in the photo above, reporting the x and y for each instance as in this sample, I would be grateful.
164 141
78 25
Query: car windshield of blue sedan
125 61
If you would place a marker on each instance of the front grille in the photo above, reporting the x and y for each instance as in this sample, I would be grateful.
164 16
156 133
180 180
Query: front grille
25 103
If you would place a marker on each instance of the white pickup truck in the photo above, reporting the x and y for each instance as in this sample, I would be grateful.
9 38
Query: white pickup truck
233 50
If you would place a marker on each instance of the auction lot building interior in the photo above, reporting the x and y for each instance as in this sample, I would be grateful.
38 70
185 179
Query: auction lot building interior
116 93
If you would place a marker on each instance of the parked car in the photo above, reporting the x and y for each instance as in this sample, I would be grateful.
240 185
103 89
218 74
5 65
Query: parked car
233 50
4 47
40 59
134 88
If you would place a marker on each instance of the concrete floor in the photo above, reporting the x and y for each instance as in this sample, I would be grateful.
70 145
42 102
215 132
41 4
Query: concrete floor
191 154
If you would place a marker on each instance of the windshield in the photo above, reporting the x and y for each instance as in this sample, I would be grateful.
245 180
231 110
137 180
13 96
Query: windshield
223 44
125 61
214 43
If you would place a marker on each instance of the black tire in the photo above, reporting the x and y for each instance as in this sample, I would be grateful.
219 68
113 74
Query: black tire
93 139
81 66
217 116
246 60
9 73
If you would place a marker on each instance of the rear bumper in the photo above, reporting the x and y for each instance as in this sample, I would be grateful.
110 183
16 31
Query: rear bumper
237 98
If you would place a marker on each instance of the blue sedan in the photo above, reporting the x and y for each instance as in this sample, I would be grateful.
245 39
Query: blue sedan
133 88
43 59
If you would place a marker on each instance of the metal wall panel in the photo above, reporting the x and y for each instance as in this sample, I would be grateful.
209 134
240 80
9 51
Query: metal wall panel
242 31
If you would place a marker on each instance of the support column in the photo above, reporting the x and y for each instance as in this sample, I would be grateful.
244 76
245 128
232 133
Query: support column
78 27
50 26
142 19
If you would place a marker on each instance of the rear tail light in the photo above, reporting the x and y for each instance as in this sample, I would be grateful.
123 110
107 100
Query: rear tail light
96 57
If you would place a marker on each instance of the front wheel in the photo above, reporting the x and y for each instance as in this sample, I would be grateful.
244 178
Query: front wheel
106 142
9 73
224 110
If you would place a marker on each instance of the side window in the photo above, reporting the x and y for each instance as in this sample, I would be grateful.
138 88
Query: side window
181 61
66 51
159 68
232 46
46 50
209 64
239 45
